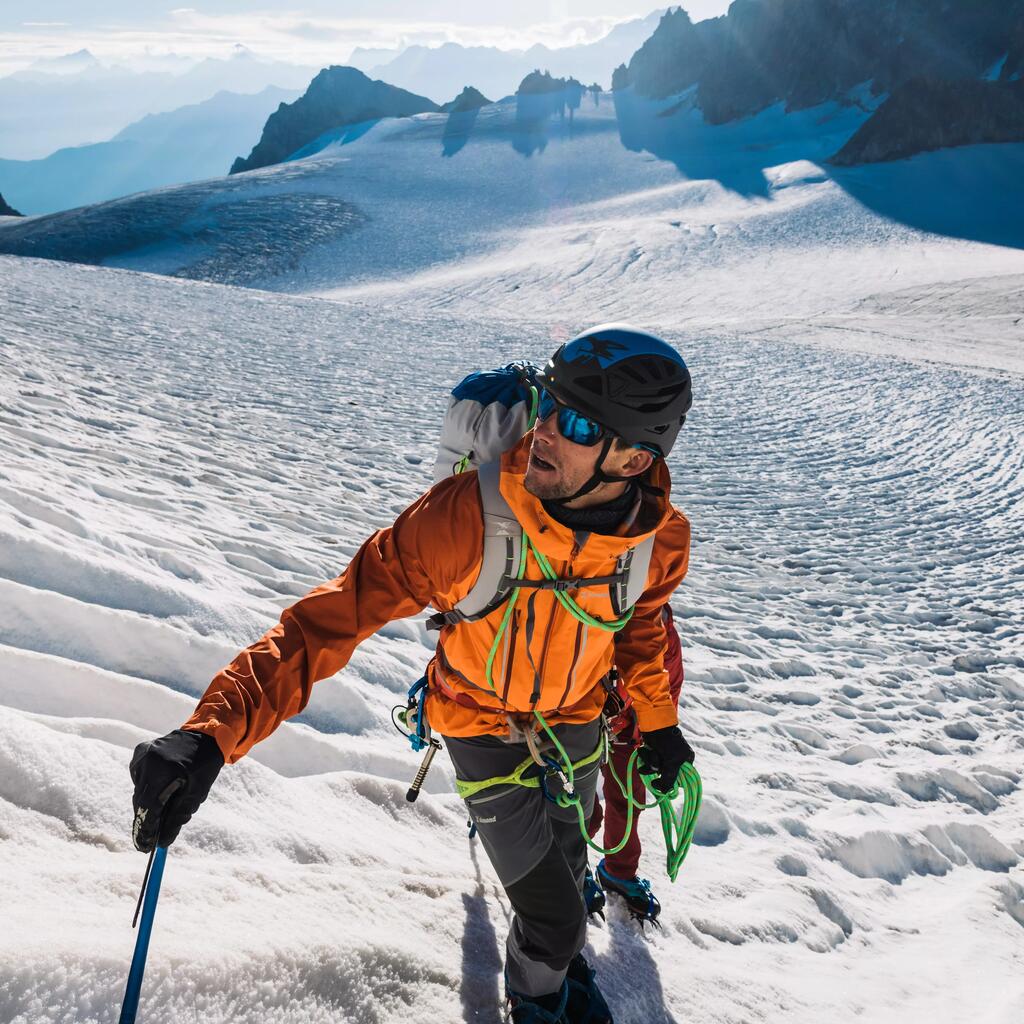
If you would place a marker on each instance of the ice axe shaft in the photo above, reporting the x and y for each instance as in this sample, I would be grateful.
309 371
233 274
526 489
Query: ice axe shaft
417 783
151 892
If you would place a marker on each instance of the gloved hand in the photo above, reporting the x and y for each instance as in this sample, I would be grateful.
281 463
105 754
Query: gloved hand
172 775
665 751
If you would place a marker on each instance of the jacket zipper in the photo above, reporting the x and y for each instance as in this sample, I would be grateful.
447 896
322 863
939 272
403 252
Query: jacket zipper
577 650
511 655
558 610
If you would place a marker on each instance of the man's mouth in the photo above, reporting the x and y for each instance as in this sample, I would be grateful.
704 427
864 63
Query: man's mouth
542 464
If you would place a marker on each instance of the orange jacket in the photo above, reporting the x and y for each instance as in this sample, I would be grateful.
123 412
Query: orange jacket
431 556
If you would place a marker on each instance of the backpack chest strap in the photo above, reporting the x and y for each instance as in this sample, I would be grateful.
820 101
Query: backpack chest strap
500 566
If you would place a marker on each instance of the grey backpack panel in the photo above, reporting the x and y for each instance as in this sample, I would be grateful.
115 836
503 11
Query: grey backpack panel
479 430
503 546
634 565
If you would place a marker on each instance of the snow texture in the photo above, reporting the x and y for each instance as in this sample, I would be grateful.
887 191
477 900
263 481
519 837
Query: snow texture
180 459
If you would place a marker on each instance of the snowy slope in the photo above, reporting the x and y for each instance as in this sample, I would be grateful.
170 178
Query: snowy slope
627 209
179 459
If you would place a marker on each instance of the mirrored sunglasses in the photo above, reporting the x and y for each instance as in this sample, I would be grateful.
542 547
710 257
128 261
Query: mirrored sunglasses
572 425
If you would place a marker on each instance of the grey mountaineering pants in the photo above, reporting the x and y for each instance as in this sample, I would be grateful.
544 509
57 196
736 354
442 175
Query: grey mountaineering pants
536 849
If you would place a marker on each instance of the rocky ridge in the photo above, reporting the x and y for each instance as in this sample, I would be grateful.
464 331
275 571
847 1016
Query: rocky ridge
928 113
468 99
336 97
802 53
7 211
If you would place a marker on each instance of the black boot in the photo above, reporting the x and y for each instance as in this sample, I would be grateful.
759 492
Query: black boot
585 1005
548 1009
593 894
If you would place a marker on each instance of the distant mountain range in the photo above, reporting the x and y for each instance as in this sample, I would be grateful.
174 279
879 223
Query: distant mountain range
927 74
76 100
441 71
7 211
802 53
194 142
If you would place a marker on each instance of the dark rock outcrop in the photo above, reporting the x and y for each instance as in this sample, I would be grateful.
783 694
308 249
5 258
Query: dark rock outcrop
537 83
7 211
806 52
929 113
468 99
338 96
539 98
673 59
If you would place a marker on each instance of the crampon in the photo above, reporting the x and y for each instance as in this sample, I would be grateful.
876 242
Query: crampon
641 903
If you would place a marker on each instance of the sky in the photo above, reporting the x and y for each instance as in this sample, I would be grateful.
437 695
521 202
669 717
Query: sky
311 31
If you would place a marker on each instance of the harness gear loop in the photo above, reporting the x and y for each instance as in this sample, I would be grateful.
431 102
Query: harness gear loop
518 777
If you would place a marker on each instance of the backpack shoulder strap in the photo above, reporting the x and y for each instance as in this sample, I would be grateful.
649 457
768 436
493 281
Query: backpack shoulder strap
632 569
502 551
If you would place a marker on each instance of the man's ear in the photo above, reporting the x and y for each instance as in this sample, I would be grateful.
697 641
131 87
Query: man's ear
639 461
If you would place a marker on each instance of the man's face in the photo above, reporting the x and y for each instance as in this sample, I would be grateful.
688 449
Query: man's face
558 468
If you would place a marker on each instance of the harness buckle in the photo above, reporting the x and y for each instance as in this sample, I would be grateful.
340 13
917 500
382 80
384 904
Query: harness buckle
564 585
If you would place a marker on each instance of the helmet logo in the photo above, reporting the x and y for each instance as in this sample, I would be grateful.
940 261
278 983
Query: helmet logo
600 351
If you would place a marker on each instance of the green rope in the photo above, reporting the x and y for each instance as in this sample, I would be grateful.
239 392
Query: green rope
534 406
677 826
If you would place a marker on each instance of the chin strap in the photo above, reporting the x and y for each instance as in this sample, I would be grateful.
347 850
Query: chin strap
601 477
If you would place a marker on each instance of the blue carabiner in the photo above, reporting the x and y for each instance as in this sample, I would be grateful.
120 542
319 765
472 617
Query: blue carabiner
418 737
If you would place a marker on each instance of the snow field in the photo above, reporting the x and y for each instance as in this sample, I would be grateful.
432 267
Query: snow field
628 210
180 460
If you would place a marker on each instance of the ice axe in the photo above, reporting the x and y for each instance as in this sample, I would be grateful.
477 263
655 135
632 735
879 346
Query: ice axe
147 905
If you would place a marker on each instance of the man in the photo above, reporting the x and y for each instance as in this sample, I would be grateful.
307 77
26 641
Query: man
588 487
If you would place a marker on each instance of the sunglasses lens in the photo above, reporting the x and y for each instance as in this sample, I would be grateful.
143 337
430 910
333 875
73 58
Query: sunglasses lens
578 429
572 425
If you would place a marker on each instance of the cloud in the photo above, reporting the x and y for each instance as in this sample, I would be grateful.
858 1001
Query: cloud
295 36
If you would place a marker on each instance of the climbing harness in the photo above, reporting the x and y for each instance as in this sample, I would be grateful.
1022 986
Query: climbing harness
544 771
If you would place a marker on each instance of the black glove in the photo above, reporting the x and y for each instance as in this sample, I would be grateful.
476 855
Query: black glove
172 775
665 751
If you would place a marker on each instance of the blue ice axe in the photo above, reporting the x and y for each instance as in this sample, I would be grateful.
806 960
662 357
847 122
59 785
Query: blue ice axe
147 904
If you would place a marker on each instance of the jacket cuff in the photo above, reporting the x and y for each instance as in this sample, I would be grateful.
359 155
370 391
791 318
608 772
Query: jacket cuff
222 733
651 717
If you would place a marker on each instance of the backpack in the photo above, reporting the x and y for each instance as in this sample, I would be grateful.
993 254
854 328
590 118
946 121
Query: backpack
488 412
